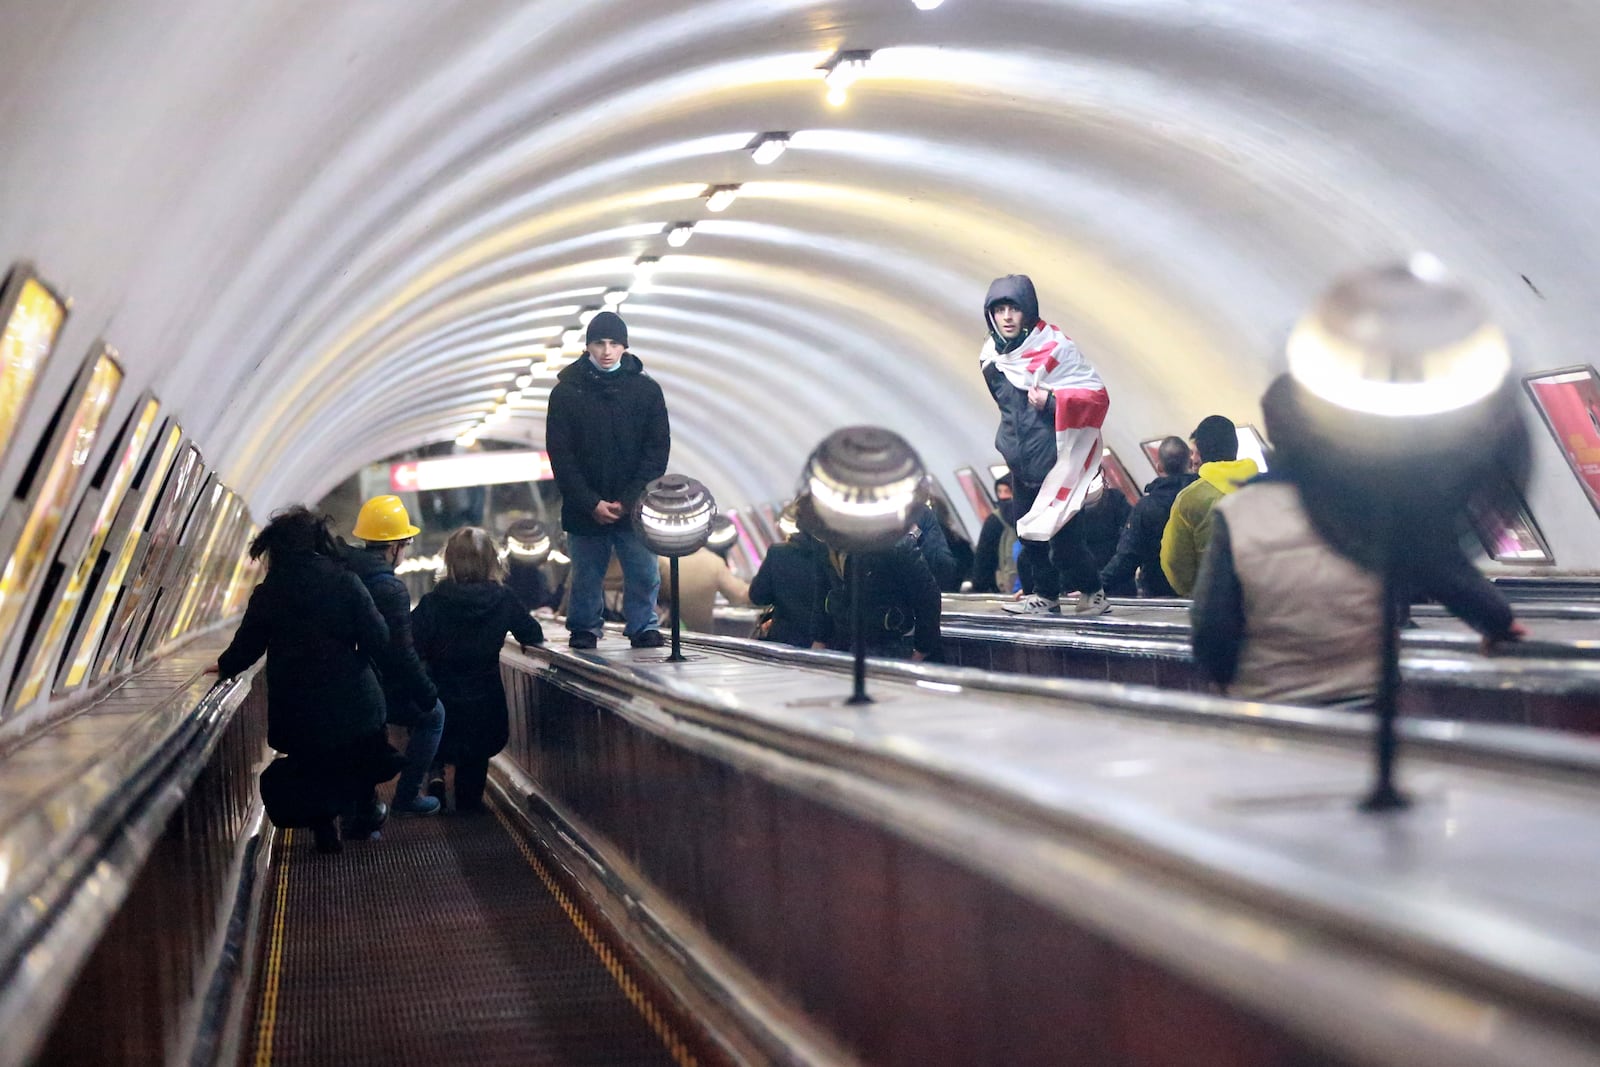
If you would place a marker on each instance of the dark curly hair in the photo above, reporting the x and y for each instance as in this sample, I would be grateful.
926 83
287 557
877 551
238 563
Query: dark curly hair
295 531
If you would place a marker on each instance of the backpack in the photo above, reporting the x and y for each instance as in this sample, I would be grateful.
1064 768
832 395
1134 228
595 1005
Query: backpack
1005 577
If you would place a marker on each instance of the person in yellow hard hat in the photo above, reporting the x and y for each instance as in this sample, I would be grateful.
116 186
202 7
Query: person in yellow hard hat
385 531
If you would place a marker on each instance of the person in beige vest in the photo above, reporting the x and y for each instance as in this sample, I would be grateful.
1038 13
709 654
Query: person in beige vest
701 576
1279 616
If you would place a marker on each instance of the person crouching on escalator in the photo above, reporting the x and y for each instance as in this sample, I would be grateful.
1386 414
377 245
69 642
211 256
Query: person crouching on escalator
460 627
318 628
385 530
1052 404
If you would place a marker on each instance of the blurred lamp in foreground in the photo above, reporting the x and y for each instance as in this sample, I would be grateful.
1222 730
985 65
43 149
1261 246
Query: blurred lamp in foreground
674 517
1402 403
863 486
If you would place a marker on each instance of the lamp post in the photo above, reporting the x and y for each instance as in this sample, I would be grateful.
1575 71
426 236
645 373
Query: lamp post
1403 402
674 517
863 485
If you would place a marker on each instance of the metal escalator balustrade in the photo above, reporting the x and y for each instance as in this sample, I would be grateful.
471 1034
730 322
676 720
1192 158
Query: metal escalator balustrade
1212 841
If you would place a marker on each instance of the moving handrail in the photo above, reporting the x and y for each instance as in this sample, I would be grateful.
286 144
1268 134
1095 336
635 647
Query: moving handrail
1509 748
1522 964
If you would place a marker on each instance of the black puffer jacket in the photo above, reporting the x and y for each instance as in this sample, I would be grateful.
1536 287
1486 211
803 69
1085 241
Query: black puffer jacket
1139 547
319 630
607 435
902 604
792 581
1026 438
407 689
459 629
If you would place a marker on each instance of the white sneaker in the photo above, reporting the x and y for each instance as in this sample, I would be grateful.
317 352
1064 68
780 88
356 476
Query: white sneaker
1032 604
1093 603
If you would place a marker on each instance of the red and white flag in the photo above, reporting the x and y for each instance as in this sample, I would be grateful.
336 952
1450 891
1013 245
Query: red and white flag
1048 358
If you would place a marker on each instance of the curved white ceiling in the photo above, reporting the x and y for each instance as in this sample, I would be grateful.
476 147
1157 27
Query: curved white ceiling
325 233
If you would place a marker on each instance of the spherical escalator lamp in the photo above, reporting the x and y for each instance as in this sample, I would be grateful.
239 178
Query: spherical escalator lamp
723 535
1399 395
674 515
527 541
863 486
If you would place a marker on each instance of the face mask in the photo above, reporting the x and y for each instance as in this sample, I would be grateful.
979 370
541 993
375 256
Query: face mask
611 369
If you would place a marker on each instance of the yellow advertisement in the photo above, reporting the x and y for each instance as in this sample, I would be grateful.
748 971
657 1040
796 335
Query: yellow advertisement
55 490
30 333
94 629
48 647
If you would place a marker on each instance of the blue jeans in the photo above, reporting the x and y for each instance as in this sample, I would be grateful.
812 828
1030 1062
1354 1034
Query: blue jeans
422 741
641 580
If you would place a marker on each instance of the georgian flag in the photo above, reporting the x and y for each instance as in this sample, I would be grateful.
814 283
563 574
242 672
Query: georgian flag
1048 358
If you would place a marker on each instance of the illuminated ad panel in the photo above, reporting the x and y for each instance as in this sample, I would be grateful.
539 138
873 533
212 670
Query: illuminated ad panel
131 532
1117 477
203 563
33 316
455 472
1569 401
976 492
47 647
172 505
73 448
1504 525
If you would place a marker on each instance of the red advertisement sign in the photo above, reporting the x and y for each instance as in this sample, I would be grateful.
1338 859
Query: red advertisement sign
1569 400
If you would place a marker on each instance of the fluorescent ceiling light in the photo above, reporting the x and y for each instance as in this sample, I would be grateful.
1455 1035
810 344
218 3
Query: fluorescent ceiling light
523 381
843 70
768 147
615 297
680 233
572 340
720 196
513 396
927 5
587 316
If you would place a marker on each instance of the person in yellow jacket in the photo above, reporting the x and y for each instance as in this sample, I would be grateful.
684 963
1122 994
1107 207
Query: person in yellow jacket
1183 543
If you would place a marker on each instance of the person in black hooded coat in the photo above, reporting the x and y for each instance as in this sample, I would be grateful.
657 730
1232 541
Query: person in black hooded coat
320 631
459 628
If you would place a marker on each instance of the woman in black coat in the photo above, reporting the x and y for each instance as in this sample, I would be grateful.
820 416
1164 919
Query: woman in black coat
318 628
459 628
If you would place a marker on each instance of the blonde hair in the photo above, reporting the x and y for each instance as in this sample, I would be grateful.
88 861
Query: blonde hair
471 556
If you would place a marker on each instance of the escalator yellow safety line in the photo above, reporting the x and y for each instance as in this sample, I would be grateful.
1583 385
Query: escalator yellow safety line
274 967
640 1000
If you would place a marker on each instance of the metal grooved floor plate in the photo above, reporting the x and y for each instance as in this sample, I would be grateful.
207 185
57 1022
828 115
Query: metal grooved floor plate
438 944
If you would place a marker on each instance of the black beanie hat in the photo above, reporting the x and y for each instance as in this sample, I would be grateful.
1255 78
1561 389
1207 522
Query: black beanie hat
607 326
1217 439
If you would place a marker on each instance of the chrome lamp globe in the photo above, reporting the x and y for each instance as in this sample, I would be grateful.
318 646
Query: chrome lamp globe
528 543
723 536
861 490
1402 403
674 517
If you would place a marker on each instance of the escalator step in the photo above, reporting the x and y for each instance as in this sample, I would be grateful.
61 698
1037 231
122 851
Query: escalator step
445 942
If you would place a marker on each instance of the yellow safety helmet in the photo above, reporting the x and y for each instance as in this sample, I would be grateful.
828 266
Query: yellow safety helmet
384 518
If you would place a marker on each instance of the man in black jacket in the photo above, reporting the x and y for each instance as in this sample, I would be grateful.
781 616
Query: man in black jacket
607 435
1139 548
409 695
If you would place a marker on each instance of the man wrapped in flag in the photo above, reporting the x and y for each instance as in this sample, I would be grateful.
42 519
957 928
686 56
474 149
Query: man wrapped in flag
1052 405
